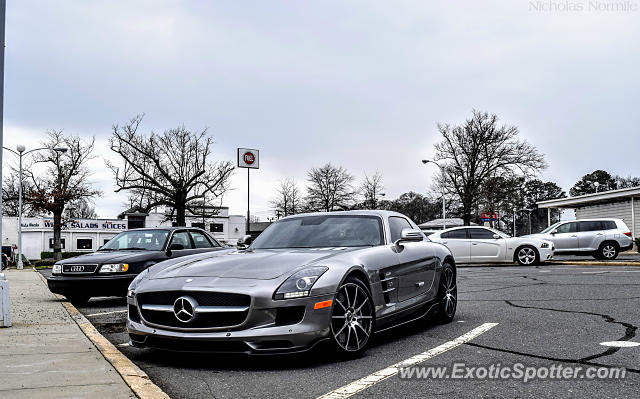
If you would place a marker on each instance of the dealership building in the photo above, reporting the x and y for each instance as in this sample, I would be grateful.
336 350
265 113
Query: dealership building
87 235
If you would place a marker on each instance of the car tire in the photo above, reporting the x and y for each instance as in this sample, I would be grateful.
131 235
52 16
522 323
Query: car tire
527 255
447 294
608 251
78 299
352 318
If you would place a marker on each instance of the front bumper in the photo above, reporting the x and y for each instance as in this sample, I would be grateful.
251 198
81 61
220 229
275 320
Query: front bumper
93 285
261 331
546 253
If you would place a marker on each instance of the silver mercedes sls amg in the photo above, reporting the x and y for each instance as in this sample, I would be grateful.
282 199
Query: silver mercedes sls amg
337 277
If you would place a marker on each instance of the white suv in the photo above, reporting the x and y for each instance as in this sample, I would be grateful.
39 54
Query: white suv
601 238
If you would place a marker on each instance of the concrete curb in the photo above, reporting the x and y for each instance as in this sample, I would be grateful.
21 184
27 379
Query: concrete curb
136 379
594 263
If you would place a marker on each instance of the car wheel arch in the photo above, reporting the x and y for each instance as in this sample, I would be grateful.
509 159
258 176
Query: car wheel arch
359 273
515 253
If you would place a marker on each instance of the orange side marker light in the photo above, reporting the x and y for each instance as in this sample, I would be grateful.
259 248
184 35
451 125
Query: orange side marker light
321 305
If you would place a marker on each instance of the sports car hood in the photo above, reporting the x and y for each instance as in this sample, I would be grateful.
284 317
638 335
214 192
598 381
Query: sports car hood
259 264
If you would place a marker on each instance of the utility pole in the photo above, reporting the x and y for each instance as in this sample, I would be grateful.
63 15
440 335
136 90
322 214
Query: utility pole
444 204
3 8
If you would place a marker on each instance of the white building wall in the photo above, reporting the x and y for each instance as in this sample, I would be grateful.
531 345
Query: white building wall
617 210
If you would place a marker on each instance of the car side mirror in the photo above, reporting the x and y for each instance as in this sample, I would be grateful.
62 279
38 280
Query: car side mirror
244 241
176 247
553 232
497 236
409 235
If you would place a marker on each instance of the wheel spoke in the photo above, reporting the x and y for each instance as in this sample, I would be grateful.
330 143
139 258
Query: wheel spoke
362 304
346 344
346 293
362 328
340 303
341 330
355 332
337 317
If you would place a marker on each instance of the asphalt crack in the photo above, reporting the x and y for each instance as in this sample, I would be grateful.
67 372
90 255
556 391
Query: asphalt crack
630 329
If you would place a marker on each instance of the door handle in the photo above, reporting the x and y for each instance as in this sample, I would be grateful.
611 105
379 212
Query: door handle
599 234
574 236
444 242
474 243
419 284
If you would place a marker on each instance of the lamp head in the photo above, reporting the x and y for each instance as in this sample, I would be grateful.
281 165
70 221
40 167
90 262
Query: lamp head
425 161
61 150
21 148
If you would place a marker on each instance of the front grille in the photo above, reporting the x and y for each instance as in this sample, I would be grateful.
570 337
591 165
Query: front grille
203 298
79 269
201 320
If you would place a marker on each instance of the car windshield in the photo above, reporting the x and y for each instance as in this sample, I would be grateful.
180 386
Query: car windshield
150 240
322 231
548 229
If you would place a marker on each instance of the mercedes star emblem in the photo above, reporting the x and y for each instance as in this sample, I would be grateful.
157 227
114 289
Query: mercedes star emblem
184 309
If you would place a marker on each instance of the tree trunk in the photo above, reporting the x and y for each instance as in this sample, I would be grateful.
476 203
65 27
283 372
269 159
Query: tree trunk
57 229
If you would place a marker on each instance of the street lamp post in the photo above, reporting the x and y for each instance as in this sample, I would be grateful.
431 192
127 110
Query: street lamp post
596 184
20 153
444 204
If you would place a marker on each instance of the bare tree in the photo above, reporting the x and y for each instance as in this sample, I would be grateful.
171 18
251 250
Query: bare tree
172 169
65 179
372 189
81 209
10 203
330 188
288 200
480 149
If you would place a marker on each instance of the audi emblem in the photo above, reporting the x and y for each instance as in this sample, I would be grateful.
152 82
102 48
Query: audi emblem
76 269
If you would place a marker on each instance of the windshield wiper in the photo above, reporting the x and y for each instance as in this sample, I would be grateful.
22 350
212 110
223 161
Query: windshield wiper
132 249
107 249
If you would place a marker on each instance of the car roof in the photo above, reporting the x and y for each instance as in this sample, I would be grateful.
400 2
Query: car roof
362 212
590 220
169 228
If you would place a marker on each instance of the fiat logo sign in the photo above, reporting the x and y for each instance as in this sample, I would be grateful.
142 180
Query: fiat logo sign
249 158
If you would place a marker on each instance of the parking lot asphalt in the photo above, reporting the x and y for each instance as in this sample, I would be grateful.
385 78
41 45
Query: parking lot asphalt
549 314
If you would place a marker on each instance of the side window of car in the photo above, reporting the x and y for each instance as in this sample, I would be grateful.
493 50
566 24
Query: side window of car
481 234
459 234
396 224
200 240
567 228
594 225
609 225
182 238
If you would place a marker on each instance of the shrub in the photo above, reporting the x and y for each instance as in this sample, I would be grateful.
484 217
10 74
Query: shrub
637 240
65 255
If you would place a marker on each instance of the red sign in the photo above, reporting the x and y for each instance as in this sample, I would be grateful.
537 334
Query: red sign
489 216
249 158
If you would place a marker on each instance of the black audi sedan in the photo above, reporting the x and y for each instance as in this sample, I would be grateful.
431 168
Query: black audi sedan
110 270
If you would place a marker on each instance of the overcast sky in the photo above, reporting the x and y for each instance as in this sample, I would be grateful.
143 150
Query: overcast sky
360 84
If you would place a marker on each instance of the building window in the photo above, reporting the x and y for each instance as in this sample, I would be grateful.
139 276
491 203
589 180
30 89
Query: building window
198 225
216 227
84 243
61 243
106 240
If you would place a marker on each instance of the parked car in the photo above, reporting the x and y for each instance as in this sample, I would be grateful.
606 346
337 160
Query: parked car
485 245
308 278
601 238
110 270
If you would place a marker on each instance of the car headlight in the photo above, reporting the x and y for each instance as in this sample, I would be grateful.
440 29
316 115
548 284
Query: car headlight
544 245
300 283
131 291
57 269
114 268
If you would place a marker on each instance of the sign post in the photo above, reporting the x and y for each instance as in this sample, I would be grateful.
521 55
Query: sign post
249 159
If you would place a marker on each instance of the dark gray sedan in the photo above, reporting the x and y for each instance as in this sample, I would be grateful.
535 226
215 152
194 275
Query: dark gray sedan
335 277
110 270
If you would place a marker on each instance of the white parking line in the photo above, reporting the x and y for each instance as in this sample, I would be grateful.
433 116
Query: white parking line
106 313
372 379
